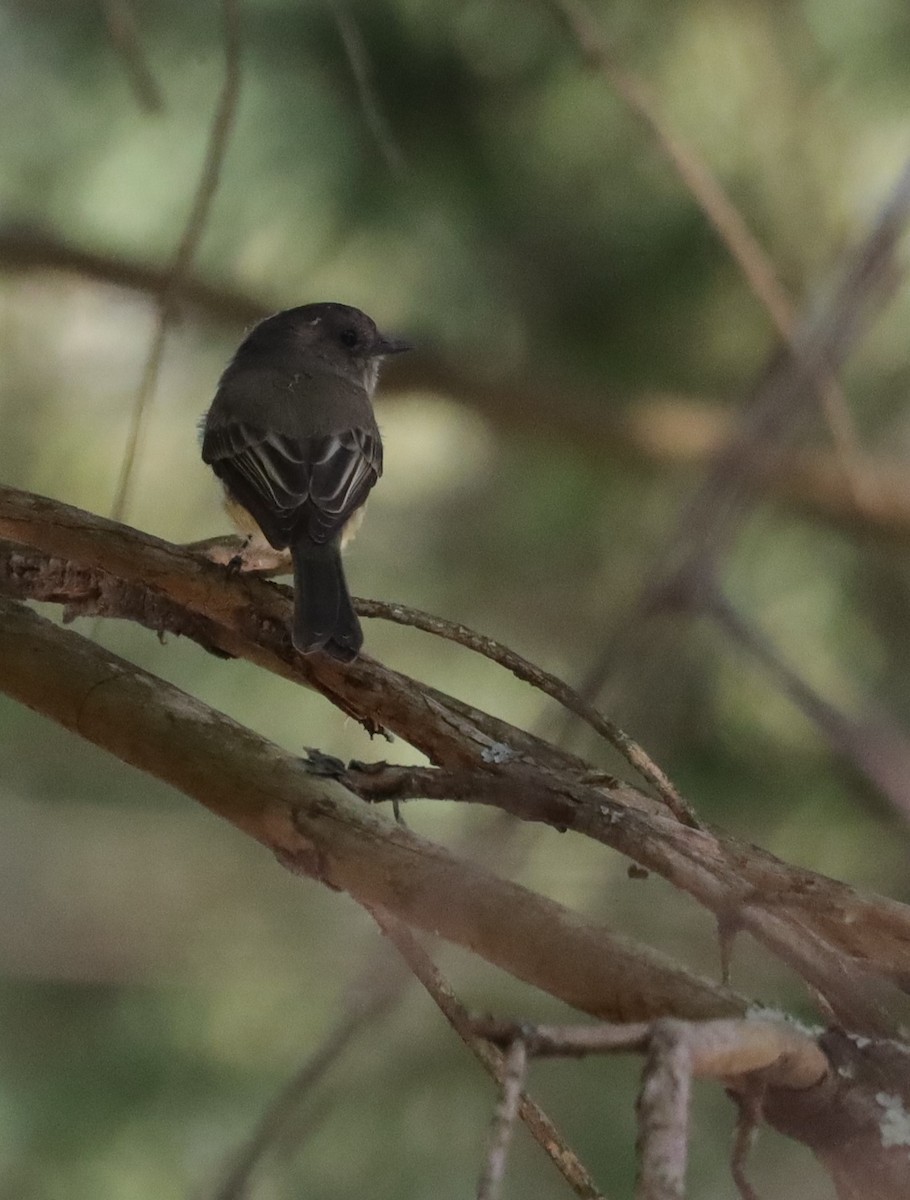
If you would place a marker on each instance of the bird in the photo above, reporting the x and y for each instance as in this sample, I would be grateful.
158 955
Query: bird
292 437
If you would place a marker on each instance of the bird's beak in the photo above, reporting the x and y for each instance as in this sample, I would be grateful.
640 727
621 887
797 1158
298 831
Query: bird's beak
386 346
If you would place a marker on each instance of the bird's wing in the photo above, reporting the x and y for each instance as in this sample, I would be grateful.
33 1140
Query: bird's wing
343 468
295 486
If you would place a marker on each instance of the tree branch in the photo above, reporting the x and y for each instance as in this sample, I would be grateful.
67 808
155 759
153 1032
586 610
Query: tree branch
539 1124
846 1097
248 618
844 944
317 828
634 755
726 1050
123 30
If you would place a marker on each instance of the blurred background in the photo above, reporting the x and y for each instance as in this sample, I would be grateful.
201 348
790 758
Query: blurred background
584 342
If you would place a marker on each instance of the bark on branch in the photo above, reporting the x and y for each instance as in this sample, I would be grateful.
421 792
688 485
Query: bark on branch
853 1118
317 828
853 949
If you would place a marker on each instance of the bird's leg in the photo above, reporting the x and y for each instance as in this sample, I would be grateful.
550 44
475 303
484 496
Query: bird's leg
237 564
243 555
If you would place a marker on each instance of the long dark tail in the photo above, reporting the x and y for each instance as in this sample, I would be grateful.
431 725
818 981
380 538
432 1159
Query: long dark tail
324 618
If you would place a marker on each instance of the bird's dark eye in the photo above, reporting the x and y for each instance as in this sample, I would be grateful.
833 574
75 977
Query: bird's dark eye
348 338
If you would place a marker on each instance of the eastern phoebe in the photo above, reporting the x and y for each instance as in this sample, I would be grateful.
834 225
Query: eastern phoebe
292 437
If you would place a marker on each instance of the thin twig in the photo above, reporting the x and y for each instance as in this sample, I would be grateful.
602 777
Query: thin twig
566 1041
878 751
663 1117
692 169
549 684
514 1070
219 136
32 248
123 31
539 1124
749 1117
356 51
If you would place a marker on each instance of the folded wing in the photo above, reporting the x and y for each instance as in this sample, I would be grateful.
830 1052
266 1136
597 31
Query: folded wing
295 489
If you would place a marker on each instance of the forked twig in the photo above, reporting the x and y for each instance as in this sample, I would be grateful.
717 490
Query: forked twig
549 684
539 1124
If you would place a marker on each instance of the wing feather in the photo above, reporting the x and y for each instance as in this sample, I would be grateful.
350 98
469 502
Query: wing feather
291 486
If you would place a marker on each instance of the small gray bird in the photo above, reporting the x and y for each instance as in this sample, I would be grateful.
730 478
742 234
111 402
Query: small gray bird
292 437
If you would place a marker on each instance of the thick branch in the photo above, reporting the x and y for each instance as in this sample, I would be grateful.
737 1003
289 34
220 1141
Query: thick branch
858 1123
316 827
837 939
249 618
841 942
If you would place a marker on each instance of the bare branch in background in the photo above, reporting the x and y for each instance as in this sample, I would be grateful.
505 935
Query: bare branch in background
778 410
209 178
776 414
876 749
724 217
123 30
697 177
376 121
664 430
28 248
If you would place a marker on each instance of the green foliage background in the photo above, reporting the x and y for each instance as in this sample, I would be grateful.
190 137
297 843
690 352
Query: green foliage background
162 978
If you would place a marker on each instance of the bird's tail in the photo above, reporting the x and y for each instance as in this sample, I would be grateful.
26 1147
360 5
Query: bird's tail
324 617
